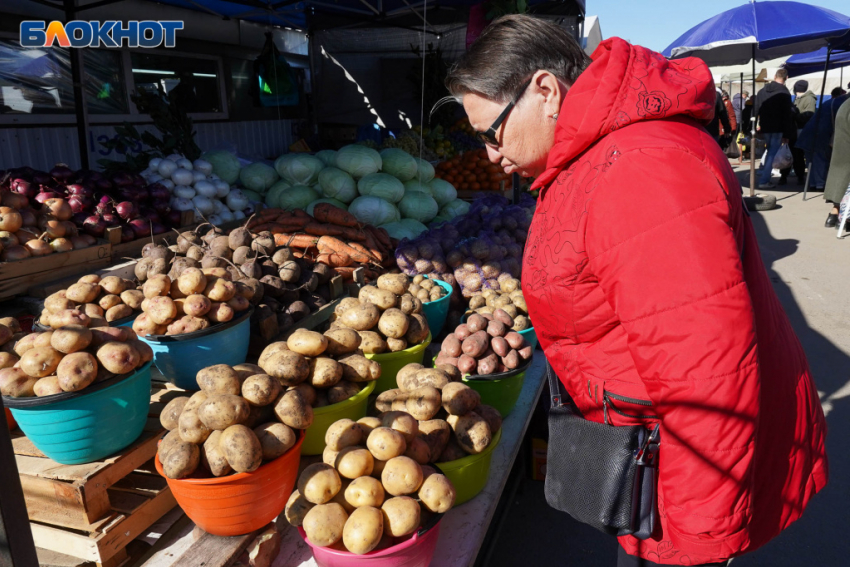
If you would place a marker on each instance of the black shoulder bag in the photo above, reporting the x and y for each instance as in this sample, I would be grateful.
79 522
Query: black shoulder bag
601 475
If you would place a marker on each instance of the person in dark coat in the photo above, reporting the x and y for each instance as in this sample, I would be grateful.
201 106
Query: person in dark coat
721 117
805 104
775 120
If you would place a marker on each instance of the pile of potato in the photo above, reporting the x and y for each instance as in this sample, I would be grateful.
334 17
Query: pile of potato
425 289
227 427
387 317
10 334
508 298
428 406
69 359
193 301
99 300
367 493
318 370
485 344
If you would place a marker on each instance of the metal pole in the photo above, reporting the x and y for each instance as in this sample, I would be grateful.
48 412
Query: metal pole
77 74
314 98
16 545
753 132
817 120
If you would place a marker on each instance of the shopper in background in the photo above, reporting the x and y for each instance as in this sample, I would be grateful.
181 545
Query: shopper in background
838 91
665 315
719 124
775 121
816 140
745 140
838 178
805 104
738 104
729 138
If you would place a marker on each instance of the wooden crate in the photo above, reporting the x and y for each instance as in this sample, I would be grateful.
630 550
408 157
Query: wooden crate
93 511
18 277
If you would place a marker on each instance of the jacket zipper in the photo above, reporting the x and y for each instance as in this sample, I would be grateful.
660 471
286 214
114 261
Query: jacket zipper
607 398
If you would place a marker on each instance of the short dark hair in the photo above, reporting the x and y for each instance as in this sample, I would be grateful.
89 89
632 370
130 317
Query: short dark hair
781 74
509 51
837 91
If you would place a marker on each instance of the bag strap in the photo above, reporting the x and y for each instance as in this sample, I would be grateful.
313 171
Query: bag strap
554 386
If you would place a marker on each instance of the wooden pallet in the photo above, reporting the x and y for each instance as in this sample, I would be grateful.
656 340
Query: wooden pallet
93 511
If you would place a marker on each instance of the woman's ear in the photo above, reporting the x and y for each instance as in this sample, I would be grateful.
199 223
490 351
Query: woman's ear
550 89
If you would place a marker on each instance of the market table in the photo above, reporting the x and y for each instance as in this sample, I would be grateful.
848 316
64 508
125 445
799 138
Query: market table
462 531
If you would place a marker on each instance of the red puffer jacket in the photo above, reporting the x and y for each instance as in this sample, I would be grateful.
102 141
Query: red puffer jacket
645 285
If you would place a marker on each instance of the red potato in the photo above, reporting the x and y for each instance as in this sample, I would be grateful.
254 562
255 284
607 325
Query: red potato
476 344
496 329
476 323
515 340
220 312
462 331
526 352
451 346
443 359
511 360
502 316
500 346
466 364
488 365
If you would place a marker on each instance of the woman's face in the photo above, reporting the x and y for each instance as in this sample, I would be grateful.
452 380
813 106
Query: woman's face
528 132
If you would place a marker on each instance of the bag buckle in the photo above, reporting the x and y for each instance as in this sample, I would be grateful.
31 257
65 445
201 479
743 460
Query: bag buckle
649 447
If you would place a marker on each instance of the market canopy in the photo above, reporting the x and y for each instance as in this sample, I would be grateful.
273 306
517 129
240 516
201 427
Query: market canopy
760 31
806 63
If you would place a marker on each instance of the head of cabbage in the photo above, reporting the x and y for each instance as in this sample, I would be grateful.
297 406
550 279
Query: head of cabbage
258 177
425 171
405 228
299 169
297 197
454 209
337 184
381 185
443 191
419 206
333 202
414 185
327 156
398 163
373 210
225 165
274 193
358 161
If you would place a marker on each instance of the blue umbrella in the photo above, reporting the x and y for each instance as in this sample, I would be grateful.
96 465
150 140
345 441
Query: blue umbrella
760 31
806 63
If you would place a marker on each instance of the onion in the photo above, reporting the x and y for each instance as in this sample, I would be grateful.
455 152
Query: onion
25 171
205 188
61 173
77 189
182 177
122 179
15 252
218 206
150 214
198 176
158 192
126 210
183 204
155 178
52 227
10 219
47 195
222 189
166 168
41 178
173 218
158 228
215 220
127 233
94 225
162 207
111 220
184 192
80 242
28 216
203 166
214 177
153 164
27 233
226 215
168 184
70 228
14 201
184 163
24 187
237 201
81 204
61 245
203 204
238 215
175 157
146 172
38 247
141 227
8 239
59 208
103 184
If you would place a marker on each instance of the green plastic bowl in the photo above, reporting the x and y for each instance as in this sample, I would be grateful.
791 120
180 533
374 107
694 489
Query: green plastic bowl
392 362
501 394
437 311
353 408
469 475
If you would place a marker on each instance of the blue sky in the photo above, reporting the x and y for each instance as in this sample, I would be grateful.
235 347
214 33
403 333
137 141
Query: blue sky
657 23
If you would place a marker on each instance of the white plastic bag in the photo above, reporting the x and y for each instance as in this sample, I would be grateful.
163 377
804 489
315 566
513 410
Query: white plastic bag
783 159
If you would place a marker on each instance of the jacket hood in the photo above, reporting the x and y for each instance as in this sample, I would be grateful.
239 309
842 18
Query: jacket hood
626 84
773 89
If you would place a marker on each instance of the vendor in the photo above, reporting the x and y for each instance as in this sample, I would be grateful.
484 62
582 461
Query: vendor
645 284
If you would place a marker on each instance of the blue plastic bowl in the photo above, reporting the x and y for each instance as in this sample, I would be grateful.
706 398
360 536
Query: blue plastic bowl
180 357
86 426
436 311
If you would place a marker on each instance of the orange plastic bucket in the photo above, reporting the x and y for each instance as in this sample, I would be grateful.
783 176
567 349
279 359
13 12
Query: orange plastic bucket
240 503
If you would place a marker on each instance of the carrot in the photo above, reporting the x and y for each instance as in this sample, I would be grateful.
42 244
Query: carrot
295 240
331 244
288 225
382 235
334 260
347 273
375 258
345 232
373 247
301 213
325 212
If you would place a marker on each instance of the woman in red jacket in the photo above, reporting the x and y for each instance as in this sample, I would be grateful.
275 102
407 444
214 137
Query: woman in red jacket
644 281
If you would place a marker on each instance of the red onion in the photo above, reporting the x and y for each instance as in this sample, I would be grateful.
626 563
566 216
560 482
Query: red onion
24 187
173 218
103 184
45 195
81 204
127 233
41 178
122 179
79 218
158 192
126 210
161 207
61 172
78 189
25 171
28 216
111 219
94 225
158 228
141 227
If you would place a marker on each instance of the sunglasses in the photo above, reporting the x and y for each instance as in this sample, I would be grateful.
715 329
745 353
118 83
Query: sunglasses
488 137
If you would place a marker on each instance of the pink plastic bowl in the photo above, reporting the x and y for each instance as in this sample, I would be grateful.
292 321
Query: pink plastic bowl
414 552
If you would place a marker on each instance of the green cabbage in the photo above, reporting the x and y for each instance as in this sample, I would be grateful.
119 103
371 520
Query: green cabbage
258 177
418 206
337 184
414 185
405 228
454 209
327 156
443 191
253 196
333 202
358 161
225 165
299 169
274 193
297 197
373 210
398 163
381 185
425 171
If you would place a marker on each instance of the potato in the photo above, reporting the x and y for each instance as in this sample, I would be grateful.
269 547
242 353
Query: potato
365 491
372 342
451 346
25 344
450 368
393 323
212 456
220 411
16 383
238 303
121 311
76 371
378 469
491 415
8 360
195 401
408 371
437 494
476 344
394 283
472 432
422 377
105 303
69 317
157 285
488 365
363 530
43 339
342 341
362 317
187 324
396 345
343 433
466 364
423 403
95 311
401 475
216 272
401 516
358 368
144 349
167 443
381 298
325 372
354 462
329 456
47 386
324 524
436 434
82 292
246 370
459 399
418 450
511 360
41 361
287 366
196 305
220 312
308 391
342 391
296 508
219 289
418 331
319 483
521 323
292 409
402 422
114 285
241 448
384 401
261 389
269 351
192 281
219 379
70 339
132 298
170 415
476 323
500 346
161 309
386 443
143 326
275 439
182 460
451 452
191 428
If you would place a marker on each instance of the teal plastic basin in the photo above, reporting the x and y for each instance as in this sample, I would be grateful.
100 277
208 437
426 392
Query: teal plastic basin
437 311
86 426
